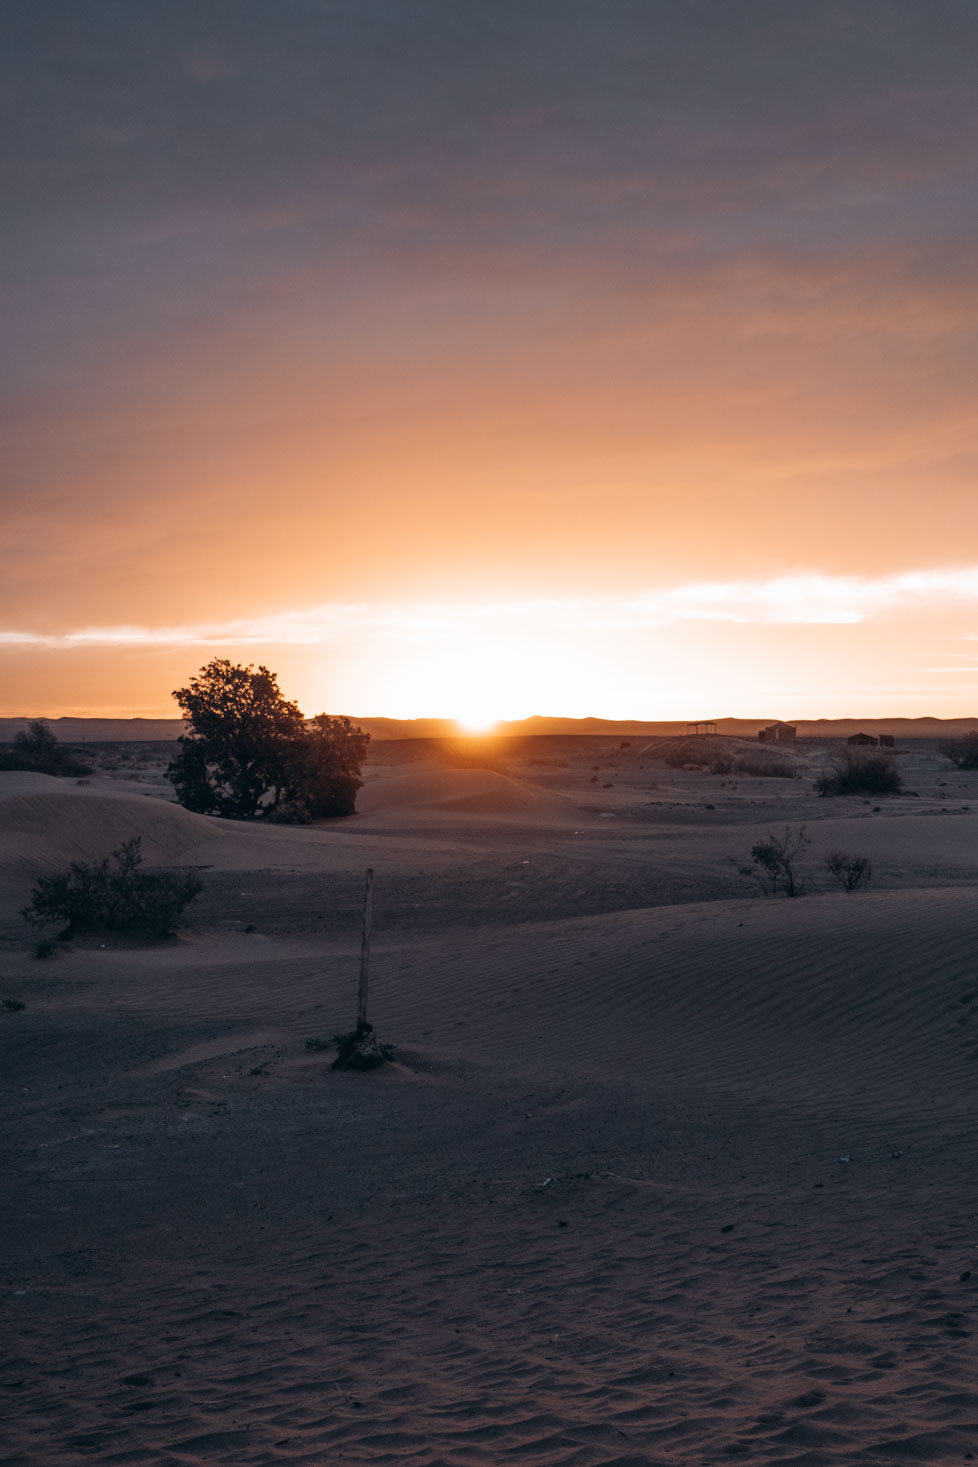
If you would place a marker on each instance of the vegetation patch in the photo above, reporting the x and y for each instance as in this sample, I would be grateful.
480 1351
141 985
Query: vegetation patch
857 771
248 753
36 749
773 862
962 752
113 895
849 871
764 765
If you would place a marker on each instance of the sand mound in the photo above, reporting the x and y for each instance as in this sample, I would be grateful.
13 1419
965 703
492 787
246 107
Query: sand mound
474 791
45 824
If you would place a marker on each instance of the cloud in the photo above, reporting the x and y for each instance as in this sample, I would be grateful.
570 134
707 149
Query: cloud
808 598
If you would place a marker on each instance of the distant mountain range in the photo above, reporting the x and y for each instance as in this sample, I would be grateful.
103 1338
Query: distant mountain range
154 730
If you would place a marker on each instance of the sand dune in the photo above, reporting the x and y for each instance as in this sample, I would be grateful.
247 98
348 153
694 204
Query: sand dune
659 1184
460 791
46 823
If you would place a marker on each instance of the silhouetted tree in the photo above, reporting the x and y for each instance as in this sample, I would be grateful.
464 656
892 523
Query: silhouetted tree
248 751
327 766
36 748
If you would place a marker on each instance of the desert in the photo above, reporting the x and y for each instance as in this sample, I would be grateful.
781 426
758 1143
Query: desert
664 1171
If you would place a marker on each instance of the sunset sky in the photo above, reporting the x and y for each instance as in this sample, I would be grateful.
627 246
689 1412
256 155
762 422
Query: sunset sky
457 358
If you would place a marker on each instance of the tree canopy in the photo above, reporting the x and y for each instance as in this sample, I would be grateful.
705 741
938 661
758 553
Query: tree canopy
249 752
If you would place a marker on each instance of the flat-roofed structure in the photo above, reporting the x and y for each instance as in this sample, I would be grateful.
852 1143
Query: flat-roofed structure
778 733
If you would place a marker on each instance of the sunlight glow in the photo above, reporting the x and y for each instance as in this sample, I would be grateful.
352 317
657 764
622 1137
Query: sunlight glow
477 723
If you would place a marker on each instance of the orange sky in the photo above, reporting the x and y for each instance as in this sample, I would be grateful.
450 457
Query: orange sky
497 361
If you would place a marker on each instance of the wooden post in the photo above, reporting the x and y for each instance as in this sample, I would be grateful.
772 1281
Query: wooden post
368 901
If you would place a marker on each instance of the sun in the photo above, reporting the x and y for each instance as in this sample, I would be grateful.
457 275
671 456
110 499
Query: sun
477 723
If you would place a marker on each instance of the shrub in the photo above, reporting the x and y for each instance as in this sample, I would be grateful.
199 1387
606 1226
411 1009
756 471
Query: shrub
772 862
859 771
685 751
962 752
764 765
849 871
113 894
36 749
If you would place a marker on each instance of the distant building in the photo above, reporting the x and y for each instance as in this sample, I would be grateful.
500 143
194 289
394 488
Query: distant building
865 741
778 733
886 741
701 728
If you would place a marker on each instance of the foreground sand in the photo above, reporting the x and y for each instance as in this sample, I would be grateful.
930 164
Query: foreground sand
666 1172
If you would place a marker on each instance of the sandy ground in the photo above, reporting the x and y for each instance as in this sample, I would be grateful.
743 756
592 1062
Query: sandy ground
666 1171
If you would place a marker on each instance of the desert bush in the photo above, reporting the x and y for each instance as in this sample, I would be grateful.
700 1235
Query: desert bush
684 751
113 894
764 765
849 871
36 749
722 766
772 862
859 771
962 752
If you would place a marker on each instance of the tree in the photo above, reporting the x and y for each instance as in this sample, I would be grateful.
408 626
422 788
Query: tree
327 767
248 751
36 748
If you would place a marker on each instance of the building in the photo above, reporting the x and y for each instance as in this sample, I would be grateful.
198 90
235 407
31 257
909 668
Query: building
778 733
865 741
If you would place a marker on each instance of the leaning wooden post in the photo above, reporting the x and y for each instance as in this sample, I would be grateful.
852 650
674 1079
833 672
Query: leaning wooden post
368 902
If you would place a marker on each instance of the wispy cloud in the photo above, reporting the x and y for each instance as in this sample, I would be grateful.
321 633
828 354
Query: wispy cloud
808 598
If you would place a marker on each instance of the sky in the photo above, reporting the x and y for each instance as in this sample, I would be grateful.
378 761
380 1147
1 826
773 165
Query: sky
581 357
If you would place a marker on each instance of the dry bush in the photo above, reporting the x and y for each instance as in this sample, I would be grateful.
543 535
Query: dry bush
772 862
113 894
860 771
765 765
849 871
962 752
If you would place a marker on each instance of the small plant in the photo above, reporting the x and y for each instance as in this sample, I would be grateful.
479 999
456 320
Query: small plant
14 1005
45 947
849 871
113 894
772 862
318 1045
962 752
722 766
856 771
